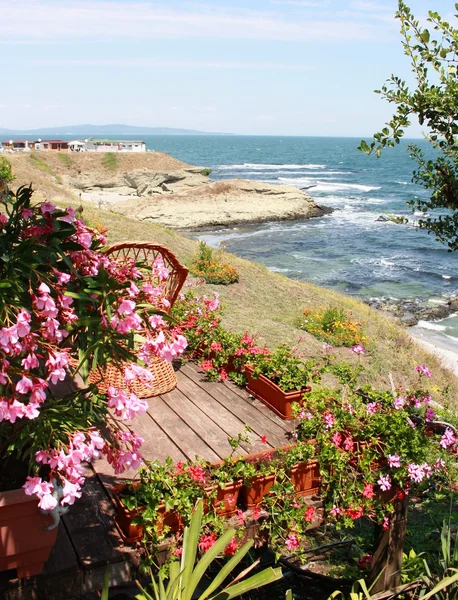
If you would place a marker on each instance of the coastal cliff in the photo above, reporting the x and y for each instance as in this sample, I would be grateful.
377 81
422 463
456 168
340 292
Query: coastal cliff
158 188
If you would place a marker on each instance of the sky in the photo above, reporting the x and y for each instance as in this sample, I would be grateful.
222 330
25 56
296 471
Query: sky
262 67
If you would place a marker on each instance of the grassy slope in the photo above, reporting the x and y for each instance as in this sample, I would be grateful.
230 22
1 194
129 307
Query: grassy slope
270 304
45 169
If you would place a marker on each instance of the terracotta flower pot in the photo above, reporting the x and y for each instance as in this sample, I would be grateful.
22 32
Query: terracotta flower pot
272 396
133 532
260 487
225 501
25 544
305 477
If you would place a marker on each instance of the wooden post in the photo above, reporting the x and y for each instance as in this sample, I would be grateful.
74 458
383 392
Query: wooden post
389 546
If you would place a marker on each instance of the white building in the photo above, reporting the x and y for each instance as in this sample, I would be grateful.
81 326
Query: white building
115 145
77 146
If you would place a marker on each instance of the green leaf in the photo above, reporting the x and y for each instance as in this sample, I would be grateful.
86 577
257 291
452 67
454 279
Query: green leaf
265 577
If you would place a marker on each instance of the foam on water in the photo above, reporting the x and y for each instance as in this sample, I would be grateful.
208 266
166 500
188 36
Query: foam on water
269 167
431 325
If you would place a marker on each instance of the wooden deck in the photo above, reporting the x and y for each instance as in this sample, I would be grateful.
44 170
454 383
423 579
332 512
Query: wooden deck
195 418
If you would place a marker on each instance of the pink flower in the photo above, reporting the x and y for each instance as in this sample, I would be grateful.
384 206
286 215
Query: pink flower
430 415
328 419
384 482
47 502
231 548
197 473
394 461
207 541
71 491
263 439
386 523
327 347
337 439
24 386
206 365
371 408
241 517
223 375
3 219
358 349
47 208
292 542
399 402
448 439
310 514
368 491
423 370
215 346
416 472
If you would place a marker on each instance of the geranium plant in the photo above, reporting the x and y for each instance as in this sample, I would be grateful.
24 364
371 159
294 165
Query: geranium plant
285 368
372 447
65 309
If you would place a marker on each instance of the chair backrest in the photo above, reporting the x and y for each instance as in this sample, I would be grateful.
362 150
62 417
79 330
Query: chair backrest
147 253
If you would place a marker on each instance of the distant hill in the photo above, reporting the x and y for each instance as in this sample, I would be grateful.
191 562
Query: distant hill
113 129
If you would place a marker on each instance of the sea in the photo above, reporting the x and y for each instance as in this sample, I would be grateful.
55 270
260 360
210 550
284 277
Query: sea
350 250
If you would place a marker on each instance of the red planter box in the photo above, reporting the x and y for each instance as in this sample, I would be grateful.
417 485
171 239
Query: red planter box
272 396
225 502
25 544
132 532
306 478
252 496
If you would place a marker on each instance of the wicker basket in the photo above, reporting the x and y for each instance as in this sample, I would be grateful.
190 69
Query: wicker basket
147 253
164 375
164 381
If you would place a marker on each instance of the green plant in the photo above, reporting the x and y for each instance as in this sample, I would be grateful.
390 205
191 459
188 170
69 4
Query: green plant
381 446
185 575
285 368
6 173
212 267
110 161
205 172
332 325
433 100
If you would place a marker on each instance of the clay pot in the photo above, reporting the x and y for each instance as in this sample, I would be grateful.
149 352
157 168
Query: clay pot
25 544
272 396
133 532
225 501
305 477
251 496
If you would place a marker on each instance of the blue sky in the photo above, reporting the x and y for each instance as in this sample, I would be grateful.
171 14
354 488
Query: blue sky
286 67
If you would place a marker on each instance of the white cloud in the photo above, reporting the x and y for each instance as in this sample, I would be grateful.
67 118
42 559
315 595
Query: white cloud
54 20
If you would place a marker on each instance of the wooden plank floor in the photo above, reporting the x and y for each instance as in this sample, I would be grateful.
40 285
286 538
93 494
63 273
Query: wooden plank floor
195 418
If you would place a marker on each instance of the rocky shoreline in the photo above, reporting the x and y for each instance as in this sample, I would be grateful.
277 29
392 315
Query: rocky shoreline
410 312
187 199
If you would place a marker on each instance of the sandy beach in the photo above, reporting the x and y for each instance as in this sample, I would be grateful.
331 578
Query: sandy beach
446 350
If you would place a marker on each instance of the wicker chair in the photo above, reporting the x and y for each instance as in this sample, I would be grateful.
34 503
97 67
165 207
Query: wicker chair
164 375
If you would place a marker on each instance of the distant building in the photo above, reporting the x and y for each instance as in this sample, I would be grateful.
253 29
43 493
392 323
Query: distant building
115 145
48 145
77 146
17 146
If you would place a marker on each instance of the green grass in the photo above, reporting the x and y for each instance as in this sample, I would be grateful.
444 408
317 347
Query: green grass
270 304
65 159
40 163
110 161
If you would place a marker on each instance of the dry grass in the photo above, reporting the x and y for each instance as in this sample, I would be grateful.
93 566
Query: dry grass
270 304
45 169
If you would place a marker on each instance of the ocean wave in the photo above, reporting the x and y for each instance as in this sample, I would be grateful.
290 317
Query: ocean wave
335 187
430 325
270 167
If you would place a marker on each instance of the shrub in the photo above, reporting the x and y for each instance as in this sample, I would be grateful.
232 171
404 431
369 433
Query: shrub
332 325
6 174
211 267
206 172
